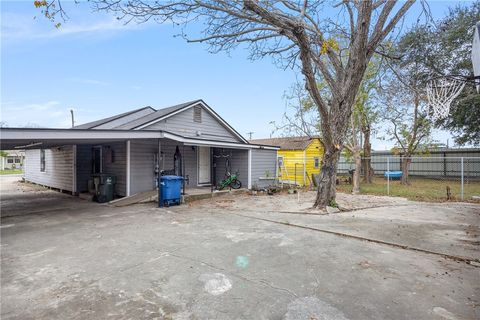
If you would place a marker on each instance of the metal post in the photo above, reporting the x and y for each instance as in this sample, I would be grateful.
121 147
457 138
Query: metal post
461 169
388 176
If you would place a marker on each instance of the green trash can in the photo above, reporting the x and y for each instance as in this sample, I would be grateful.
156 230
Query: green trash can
106 187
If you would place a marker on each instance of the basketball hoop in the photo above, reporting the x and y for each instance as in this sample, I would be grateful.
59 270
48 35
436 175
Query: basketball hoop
440 93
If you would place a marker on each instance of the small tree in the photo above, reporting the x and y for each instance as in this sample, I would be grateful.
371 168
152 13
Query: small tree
410 127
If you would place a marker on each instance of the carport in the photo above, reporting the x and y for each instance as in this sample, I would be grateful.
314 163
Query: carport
134 156
74 167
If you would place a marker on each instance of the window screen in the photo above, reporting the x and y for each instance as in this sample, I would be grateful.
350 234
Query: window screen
316 162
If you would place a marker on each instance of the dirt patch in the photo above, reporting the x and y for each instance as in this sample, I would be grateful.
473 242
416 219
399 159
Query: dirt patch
298 203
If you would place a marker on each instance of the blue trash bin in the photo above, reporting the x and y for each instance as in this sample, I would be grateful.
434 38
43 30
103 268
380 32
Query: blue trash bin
170 190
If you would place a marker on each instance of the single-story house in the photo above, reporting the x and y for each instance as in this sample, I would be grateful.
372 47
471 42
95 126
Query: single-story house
298 158
12 159
135 146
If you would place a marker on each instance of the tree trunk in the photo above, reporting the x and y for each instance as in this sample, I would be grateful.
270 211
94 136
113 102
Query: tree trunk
356 174
405 170
367 154
327 180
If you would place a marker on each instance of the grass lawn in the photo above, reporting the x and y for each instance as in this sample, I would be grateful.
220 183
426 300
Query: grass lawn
419 189
16 171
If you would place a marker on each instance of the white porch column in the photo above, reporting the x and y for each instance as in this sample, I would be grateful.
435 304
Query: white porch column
249 184
74 170
127 180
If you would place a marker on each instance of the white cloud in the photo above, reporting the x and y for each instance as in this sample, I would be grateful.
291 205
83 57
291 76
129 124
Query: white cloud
18 27
42 114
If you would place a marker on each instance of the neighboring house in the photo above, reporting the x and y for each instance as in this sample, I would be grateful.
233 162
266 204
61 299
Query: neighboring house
298 158
13 160
136 145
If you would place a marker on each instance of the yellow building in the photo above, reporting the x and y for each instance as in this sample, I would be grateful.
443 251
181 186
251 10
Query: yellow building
298 158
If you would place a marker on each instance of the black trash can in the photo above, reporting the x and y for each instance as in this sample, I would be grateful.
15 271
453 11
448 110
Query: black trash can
104 187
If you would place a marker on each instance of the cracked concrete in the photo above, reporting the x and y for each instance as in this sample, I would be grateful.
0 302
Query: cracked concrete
98 262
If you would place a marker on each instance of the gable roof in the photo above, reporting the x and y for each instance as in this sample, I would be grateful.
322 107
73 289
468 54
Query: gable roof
158 115
287 143
96 123
161 113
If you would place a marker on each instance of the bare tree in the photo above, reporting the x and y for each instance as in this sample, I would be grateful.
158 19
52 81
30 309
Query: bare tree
301 117
406 99
295 33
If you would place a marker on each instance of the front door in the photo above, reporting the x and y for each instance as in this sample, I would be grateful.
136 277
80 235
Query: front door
203 165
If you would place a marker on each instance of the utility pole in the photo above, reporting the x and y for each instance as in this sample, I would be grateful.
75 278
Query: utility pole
250 135
73 119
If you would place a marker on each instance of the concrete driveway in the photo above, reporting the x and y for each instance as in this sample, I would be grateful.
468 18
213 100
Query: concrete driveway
220 260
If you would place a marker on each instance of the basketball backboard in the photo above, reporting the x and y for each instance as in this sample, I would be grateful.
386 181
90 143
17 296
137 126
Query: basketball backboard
476 55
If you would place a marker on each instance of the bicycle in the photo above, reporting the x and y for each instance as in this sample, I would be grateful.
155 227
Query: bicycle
231 180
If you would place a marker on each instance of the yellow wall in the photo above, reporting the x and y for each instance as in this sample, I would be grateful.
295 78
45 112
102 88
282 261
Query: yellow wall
291 157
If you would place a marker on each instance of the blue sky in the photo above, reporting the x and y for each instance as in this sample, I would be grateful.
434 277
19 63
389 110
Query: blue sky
99 67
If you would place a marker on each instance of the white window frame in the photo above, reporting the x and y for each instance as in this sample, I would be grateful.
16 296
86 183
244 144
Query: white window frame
278 161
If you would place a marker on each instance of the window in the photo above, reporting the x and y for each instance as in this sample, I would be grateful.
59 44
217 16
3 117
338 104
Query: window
42 160
17 160
197 114
280 162
9 160
316 162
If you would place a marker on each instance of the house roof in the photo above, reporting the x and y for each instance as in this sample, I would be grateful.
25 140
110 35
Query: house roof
155 115
140 119
288 143
96 123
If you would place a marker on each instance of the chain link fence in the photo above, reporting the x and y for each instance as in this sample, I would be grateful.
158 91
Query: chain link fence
426 178
434 178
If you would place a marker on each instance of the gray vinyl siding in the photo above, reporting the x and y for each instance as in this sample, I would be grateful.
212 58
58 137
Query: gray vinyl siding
58 167
263 161
182 123
118 122
189 156
142 165
238 164
118 168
